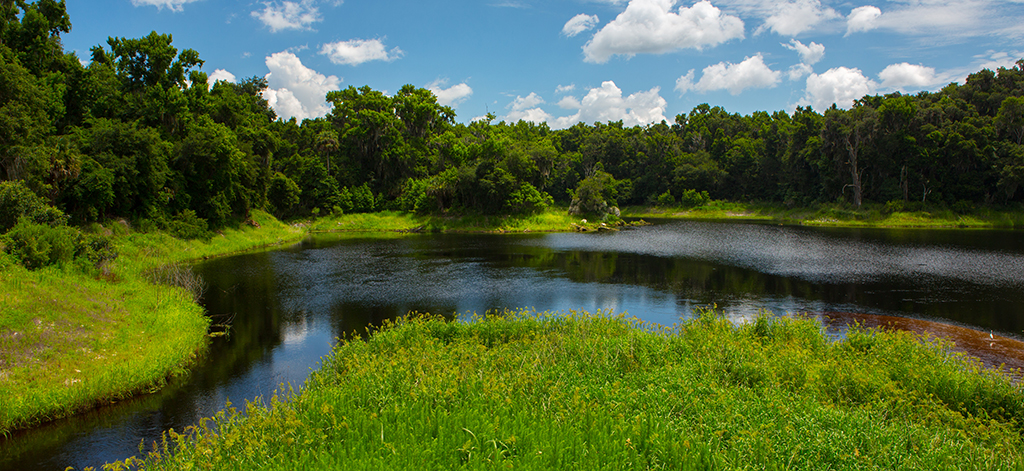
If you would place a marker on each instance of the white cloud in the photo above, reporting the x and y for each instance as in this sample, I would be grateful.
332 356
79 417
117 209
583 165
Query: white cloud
451 96
607 104
529 101
288 15
535 115
993 60
579 24
904 77
570 103
294 90
798 71
173 5
793 18
751 73
809 54
650 26
565 88
862 19
358 51
218 75
839 85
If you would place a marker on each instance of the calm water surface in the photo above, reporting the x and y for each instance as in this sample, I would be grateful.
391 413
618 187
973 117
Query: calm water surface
288 306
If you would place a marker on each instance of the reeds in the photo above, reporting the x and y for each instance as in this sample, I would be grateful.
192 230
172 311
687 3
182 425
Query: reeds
580 391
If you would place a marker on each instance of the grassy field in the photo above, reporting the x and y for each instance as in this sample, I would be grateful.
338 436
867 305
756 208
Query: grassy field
71 338
870 215
580 391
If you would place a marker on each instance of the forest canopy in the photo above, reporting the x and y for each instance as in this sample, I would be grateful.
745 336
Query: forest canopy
138 133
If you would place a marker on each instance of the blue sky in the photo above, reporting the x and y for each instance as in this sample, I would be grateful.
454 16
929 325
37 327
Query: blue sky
566 61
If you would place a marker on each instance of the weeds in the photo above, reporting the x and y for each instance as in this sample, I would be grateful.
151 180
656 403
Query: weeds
581 391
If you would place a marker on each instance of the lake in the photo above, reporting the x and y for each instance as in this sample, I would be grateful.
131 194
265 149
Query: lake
288 306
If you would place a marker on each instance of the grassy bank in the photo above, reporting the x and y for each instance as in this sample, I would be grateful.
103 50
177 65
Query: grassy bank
594 392
72 338
869 215
551 220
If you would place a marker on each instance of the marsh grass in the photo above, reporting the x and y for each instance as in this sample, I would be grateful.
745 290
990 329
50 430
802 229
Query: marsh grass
840 215
550 220
72 339
524 390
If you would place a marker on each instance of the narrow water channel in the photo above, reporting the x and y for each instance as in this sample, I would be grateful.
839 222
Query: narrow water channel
289 305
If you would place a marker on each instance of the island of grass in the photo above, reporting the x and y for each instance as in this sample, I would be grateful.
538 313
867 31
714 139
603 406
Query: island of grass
522 390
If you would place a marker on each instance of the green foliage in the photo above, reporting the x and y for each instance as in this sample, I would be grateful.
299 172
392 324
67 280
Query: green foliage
186 225
612 393
41 245
17 201
666 199
595 195
283 194
694 199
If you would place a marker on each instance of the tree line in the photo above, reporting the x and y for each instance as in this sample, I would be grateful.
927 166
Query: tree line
138 134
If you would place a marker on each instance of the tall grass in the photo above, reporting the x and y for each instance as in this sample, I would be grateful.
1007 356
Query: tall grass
523 390
72 339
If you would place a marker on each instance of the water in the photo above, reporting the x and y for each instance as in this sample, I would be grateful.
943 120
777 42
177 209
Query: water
288 306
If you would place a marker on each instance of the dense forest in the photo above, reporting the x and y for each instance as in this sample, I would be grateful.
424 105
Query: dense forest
138 134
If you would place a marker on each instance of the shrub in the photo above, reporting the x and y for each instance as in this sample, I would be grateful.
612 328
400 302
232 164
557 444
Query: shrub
40 245
666 199
694 199
17 201
186 225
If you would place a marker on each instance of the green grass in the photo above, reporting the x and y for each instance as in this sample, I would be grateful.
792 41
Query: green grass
579 391
839 215
550 220
73 338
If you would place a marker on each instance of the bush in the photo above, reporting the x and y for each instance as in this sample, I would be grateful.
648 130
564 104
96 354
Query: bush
283 195
666 199
694 199
41 245
17 201
186 225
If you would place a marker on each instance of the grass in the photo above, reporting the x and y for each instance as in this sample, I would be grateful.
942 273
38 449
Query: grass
578 391
840 215
73 338
551 220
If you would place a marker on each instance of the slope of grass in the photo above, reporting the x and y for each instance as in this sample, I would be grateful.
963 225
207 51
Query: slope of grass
72 337
579 391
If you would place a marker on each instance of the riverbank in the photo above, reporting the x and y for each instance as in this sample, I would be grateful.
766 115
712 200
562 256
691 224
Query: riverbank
870 215
72 340
577 391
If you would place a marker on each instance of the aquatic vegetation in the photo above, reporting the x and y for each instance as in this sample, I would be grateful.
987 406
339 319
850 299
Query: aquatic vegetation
601 391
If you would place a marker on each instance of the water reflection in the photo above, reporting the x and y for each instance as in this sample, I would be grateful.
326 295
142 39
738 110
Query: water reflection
288 306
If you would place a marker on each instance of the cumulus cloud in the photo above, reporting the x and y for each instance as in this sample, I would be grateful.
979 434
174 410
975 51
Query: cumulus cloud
862 19
809 54
793 18
173 5
751 73
579 24
451 96
839 85
294 90
565 88
905 77
650 26
798 71
570 103
529 101
218 75
288 15
606 103
358 51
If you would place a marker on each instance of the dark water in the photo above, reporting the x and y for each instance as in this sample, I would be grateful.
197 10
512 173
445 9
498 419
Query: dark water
288 306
